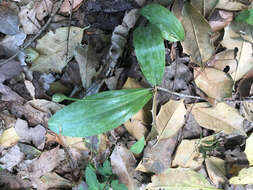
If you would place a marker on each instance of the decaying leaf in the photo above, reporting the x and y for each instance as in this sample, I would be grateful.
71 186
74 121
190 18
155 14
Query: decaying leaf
53 48
230 5
238 35
187 155
214 83
8 19
220 20
123 165
245 176
205 7
180 179
9 137
249 149
220 117
170 119
197 41
216 170
70 5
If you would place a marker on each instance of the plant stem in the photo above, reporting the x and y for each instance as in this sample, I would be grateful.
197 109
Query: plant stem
154 108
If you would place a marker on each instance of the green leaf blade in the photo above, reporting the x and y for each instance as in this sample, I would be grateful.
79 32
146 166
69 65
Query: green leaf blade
150 52
138 146
162 18
99 113
91 178
245 16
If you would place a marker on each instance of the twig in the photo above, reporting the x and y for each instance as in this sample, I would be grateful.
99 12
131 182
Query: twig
70 18
35 37
154 106
179 94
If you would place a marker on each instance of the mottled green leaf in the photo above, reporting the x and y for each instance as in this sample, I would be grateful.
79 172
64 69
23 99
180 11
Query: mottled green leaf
106 170
150 52
99 113
162 18
117 186
138 146
245 16
91 178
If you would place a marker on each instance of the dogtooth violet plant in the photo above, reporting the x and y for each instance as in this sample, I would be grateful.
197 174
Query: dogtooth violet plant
105 111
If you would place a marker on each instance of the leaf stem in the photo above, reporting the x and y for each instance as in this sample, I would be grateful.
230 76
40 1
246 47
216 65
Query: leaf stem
154 107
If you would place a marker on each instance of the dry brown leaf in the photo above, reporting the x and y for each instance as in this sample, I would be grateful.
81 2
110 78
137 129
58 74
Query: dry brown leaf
66 6
43 8
230 5
238 35
187 155
75 142
157 157
123 165
216 170
9 95
136 128
9 137
11 158
221 20
205 7
214 83
170 119
197 41
220 117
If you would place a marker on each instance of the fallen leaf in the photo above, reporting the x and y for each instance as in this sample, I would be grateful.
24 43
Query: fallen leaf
8 19
30 88
249 150
230 5
136 128
216 170
29 151
170 119
205 7
197 41
214 83
157 157
238 35
245 176
187 155
9 95
54 59
138 146
220 117
179 179
123 165
9 137
43 9
75 142
69 5
220 20
36 134
11 158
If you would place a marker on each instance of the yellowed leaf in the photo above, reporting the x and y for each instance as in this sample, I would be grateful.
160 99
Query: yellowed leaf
214 83
216 170
249 149
245 176
141 167
9 137
220 117
187 155
179 179
170 119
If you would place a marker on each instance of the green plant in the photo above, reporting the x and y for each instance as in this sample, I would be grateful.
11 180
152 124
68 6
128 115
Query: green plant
245 16
106 178
104 111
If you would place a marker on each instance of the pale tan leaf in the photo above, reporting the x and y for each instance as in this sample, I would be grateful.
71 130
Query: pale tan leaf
230 5
66 6
220 117
179 179
214 83
43 8
216 170
249 149
187 155
9 137
53 48
170 119
245 176
136 128
75 142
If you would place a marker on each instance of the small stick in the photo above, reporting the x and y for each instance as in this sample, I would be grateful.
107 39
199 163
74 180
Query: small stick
154 107
69 25
35 37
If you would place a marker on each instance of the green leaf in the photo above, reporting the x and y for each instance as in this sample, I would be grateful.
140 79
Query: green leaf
138 146
150 52
106 170
117 186
245 16
170 26
99 113
91 178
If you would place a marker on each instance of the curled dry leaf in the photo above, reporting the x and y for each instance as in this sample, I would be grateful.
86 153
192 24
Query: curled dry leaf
249 149
170 119
187 155
220 117
238 35
197 41
214 83
180 179
216 170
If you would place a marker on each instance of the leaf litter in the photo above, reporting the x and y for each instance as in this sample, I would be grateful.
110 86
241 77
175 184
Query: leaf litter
78 61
